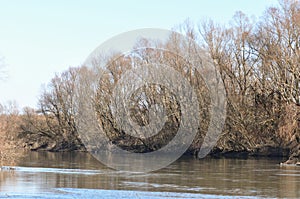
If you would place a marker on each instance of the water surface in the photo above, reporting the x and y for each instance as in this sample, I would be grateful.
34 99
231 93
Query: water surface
79 175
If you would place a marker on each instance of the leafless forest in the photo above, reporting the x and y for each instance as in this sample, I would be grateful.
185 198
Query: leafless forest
259 63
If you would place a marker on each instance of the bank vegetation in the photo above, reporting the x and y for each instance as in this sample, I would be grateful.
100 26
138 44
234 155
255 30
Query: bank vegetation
259 64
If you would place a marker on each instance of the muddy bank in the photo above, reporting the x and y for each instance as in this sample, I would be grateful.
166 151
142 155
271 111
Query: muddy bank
231 150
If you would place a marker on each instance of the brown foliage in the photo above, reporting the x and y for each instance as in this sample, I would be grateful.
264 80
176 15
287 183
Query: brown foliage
259 66
9 128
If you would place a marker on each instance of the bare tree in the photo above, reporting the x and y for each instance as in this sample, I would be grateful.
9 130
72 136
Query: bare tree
259 64
55 118
278 44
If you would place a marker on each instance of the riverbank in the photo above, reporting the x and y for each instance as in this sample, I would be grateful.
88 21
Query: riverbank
217 152
232 145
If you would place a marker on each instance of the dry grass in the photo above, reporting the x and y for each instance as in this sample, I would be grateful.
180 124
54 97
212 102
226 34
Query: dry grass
9 152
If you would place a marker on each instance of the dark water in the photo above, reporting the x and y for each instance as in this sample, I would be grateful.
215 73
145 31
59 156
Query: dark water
79 175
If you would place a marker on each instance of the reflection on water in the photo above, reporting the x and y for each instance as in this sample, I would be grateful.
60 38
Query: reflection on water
64 175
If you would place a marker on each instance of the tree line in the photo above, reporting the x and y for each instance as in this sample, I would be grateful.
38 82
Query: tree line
259 64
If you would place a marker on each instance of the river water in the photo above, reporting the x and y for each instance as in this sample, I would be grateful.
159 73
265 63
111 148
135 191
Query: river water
79 175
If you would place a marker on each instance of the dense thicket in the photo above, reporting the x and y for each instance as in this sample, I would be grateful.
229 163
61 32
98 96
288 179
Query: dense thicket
259 63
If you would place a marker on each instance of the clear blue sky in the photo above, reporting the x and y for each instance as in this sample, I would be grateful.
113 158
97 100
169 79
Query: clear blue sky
39 38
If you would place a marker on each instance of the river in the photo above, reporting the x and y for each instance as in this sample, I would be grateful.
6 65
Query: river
79 175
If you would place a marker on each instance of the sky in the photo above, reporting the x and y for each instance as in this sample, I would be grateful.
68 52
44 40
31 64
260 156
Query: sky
41 38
